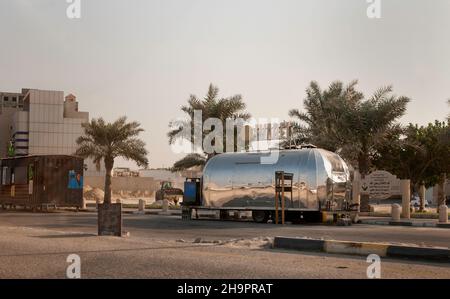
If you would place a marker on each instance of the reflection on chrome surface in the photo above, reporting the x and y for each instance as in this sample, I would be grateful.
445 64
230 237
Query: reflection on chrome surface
240 180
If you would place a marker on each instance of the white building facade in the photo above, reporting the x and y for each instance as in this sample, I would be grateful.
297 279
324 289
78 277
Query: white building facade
43 122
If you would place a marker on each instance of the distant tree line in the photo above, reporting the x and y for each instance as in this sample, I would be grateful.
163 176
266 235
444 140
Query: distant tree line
364 131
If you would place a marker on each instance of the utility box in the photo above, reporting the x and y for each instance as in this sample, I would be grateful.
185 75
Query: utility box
192 192
46 180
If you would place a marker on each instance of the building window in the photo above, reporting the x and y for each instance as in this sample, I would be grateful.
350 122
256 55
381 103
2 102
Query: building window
5 176
14 99
6 99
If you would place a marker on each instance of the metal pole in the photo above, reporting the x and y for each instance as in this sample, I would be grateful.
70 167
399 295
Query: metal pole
282 198
276 207
276 199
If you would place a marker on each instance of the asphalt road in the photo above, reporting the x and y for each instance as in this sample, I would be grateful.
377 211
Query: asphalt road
172 228
37 246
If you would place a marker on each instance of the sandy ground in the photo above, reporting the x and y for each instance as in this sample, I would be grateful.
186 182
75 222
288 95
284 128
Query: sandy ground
37 246
42 253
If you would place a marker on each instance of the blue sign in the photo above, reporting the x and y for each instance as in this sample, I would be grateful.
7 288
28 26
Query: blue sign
75 180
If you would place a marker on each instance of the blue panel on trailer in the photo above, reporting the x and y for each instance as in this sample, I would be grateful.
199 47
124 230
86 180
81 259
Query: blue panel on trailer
190 192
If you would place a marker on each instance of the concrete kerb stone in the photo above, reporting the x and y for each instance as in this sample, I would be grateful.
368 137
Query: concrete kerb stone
423 253
303 244
404 223
363 248
401 223
355 248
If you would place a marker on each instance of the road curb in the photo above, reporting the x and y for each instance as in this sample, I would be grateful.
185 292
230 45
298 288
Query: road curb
299 244
364 248
400 223
404 223
423 253
355 248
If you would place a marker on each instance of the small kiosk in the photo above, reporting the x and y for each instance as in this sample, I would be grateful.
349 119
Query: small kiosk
41 181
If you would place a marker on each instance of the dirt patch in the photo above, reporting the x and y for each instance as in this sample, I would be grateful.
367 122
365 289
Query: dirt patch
93 194
96 195
253 243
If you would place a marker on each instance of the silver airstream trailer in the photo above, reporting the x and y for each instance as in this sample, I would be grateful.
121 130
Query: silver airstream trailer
246 181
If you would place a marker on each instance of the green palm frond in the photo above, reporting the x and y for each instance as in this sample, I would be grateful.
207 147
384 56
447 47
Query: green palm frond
340 119
211 106
103 140
191 160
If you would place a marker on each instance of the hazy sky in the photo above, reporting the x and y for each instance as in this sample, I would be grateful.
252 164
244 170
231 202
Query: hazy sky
143 58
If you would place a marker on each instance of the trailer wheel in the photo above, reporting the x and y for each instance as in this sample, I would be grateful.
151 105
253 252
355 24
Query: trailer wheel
260 216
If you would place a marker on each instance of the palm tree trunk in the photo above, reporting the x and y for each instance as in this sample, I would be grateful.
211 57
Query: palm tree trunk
441 191
422 191
363 168
109 164
363 164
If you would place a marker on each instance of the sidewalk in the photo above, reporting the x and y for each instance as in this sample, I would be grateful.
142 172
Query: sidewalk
170 212
414 252
416 222
174 212
153 212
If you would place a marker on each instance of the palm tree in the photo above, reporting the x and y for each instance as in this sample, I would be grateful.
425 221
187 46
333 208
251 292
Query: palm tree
371 124
341 120
107 141
211 106
189 161
322 121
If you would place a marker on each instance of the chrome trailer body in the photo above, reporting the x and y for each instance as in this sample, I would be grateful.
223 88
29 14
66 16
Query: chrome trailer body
246 181
321 180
